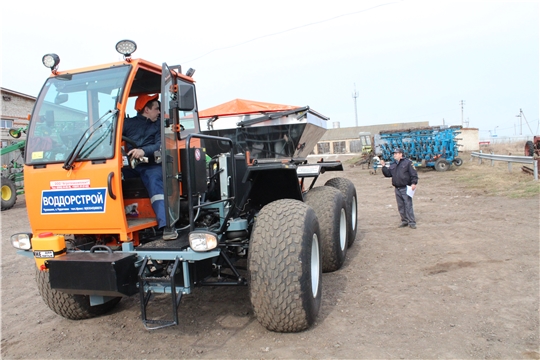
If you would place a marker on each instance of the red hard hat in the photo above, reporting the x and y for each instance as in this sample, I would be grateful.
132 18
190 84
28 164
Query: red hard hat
142 100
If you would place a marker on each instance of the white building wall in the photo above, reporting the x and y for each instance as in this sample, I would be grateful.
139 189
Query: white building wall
469 139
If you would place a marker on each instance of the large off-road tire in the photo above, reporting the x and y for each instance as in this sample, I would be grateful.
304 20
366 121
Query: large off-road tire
529 148
441 165
74 307
9 193
329 205
349 191
284 264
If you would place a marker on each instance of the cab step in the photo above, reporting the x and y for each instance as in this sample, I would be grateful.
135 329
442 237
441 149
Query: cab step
147 281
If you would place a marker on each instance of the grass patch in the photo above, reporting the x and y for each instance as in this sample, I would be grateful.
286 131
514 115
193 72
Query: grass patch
514 148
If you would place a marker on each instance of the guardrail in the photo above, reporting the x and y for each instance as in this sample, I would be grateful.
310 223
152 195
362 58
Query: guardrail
509 159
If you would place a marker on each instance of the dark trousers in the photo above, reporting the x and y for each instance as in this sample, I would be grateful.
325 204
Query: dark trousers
405 207
152 178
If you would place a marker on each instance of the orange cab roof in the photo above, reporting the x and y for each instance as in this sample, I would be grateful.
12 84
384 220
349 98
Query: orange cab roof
240 106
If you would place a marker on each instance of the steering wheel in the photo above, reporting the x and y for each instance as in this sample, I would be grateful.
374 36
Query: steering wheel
132 162
129 141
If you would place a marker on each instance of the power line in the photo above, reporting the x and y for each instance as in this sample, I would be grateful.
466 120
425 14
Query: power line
292 29
355 97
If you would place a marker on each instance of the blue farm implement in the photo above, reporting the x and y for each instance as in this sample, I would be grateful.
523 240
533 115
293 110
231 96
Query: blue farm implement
434 146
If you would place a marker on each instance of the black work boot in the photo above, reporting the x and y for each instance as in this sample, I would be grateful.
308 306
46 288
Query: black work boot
169 233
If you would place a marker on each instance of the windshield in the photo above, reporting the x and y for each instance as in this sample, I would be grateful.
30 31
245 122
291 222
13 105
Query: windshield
76 109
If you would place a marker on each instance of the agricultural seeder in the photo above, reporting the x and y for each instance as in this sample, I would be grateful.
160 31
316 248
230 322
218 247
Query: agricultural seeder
433 146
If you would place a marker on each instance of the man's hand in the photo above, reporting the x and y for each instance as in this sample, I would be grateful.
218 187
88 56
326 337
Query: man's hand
383 163
136 153
413 187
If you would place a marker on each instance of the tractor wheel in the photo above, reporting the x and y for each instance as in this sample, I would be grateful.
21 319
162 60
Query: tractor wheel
329 206
9 193
457 162
529 148
284 264
441 165
349 191
74 307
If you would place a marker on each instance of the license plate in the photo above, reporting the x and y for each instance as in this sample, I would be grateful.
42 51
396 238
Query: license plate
44 254
308 170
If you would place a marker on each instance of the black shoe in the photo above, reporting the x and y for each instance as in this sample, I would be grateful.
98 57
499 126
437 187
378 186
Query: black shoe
412 226
169 233
403 225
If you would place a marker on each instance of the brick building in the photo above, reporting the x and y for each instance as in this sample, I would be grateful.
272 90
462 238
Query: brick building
346 140
16 108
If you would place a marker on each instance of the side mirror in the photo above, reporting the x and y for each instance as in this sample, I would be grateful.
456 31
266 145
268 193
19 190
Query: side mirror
49 117
187 98
60 99
166 120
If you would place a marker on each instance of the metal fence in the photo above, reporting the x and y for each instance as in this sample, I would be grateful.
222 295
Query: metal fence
509 159
507 139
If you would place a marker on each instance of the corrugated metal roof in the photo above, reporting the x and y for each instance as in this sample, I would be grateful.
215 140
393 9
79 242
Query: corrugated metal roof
241 106
8 91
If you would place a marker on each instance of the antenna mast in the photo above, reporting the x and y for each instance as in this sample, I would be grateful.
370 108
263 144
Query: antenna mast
355 96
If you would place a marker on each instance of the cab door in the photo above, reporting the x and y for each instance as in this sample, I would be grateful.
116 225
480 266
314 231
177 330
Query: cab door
169 150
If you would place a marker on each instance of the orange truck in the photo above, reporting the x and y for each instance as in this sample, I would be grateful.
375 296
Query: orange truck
239 193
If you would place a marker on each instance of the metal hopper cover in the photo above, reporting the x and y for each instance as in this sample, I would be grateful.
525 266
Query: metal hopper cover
268 131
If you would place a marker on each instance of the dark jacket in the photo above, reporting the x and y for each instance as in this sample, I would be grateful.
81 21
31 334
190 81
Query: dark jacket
403 173
145 133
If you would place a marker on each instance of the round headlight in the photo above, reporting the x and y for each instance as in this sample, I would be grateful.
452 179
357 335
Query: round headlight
202 240
51 61
126 47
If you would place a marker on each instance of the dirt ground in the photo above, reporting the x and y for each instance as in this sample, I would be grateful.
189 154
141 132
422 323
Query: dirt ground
464 284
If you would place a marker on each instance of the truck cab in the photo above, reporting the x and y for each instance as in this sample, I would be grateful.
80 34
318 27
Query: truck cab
75 150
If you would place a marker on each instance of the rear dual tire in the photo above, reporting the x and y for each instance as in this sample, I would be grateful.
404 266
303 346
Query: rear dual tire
351 205
329 205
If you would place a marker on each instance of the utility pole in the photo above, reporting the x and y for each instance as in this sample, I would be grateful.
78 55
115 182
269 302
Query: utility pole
520 125
462 102
355 96
522 115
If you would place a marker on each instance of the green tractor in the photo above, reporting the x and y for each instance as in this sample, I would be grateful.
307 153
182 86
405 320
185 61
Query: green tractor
366 141
12 172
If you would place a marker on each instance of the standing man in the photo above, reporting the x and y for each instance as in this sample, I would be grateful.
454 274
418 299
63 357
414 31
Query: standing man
145 131
403 174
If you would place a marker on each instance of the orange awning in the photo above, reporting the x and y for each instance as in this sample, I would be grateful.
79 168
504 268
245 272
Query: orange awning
240 106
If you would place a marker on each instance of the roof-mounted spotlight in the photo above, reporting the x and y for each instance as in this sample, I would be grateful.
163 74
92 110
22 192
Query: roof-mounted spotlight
190 72
126 48
51 61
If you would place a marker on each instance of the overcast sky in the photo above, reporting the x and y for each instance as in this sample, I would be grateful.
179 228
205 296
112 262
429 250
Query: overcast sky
409 60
